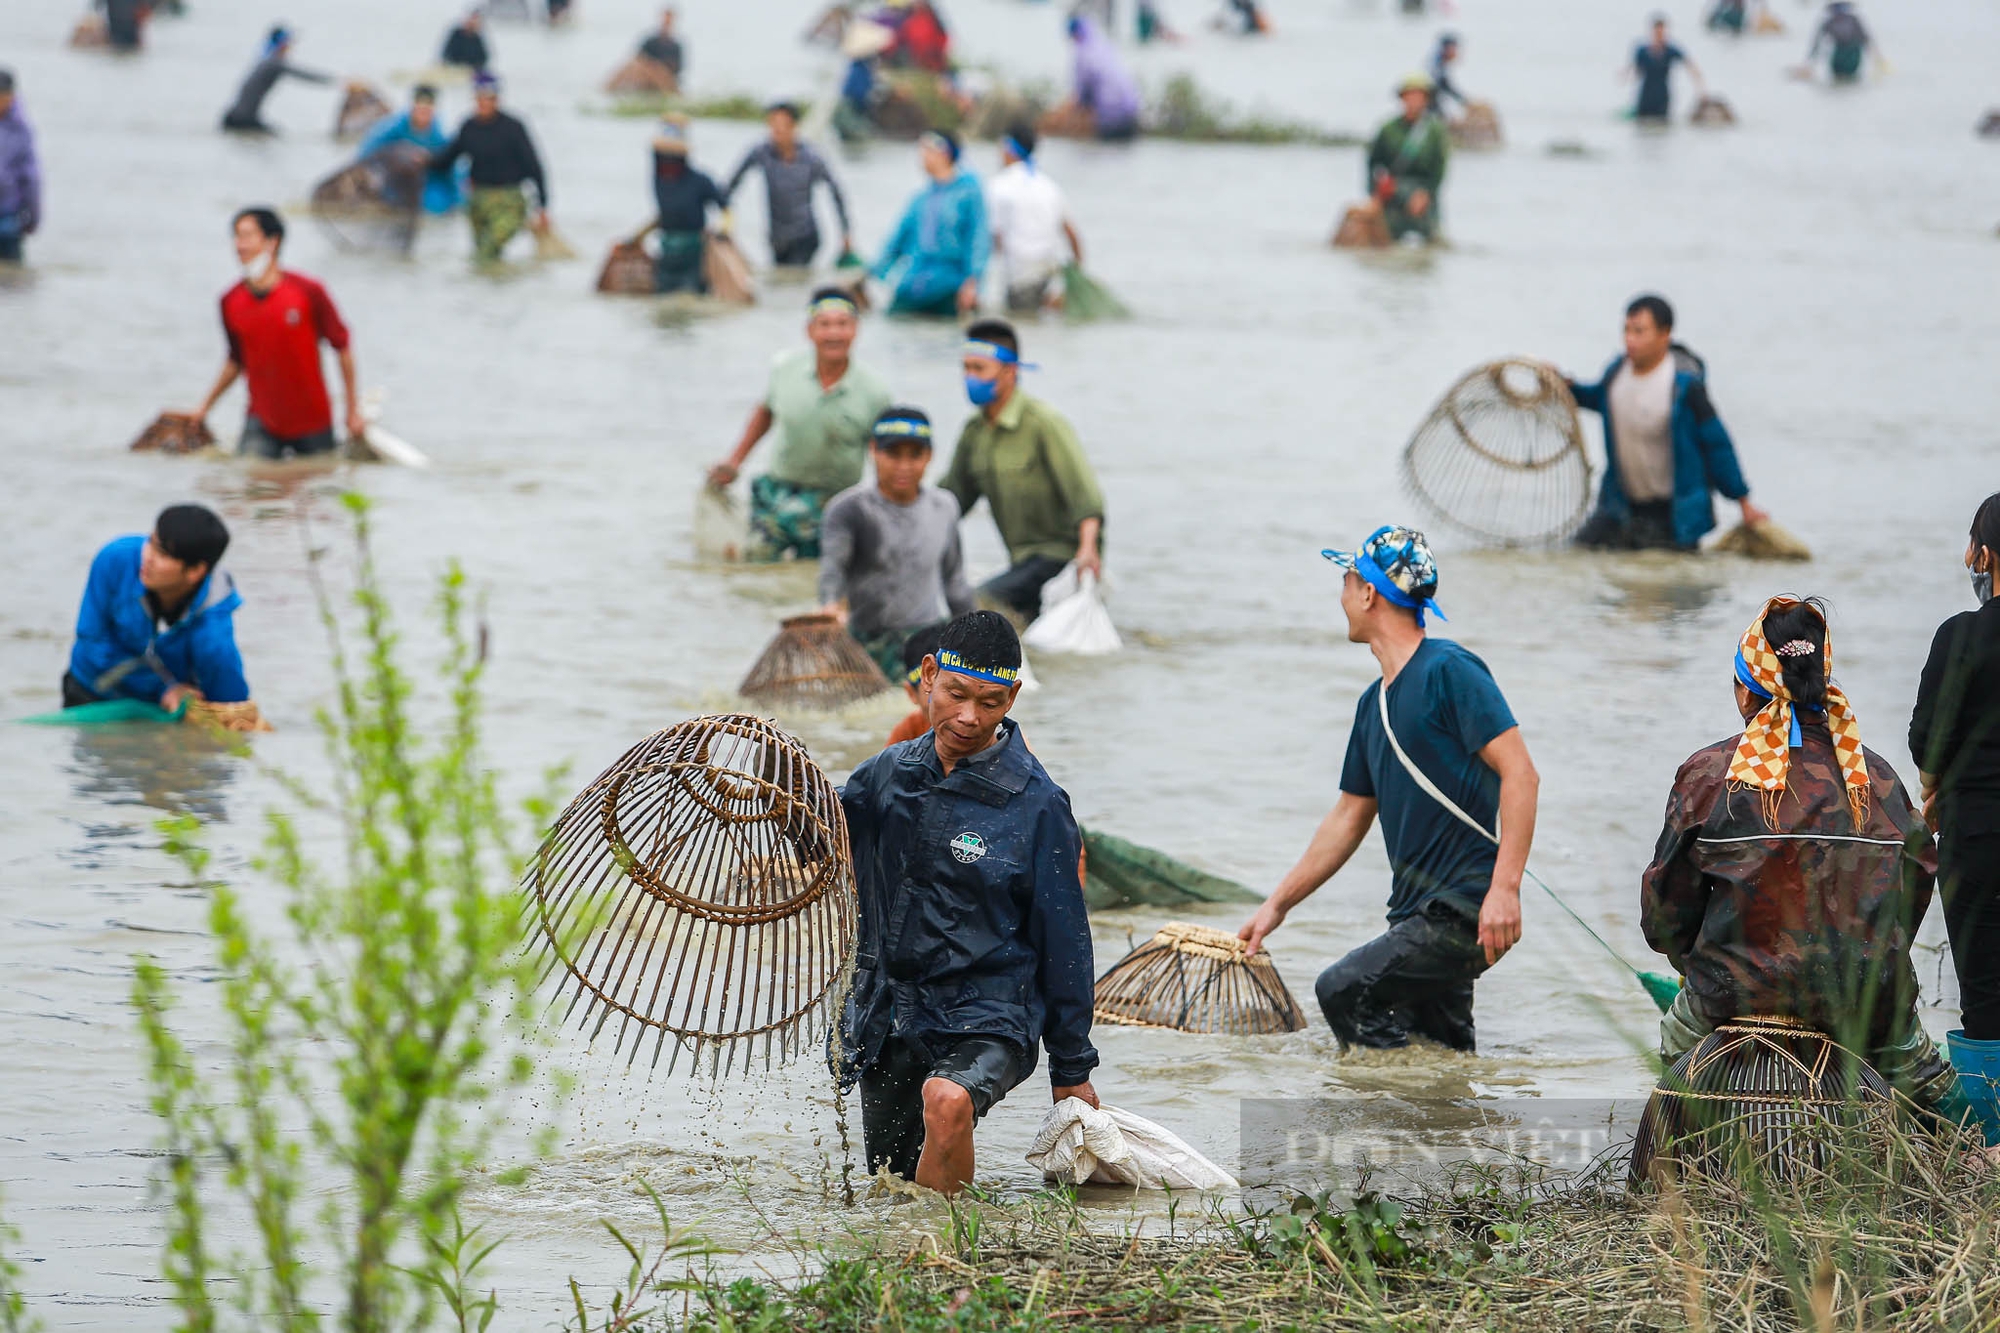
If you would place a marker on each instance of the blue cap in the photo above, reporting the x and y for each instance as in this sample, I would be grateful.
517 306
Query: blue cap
1398 563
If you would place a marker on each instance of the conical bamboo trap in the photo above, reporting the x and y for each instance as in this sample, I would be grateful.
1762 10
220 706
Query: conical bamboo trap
1769 1090
175 433
813 663
1193 979
1501 457
700 891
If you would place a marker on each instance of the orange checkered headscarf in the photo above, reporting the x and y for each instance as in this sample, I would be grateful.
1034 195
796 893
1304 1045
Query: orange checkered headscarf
1763 756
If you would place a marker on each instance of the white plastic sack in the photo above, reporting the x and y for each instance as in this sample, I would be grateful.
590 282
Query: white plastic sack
721 530
1107 1146
1073 618
386 447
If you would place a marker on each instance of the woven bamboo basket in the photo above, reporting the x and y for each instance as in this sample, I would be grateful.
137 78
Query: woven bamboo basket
700 892
245 716
1362 227
813 663
174 433
1193 979
1712 111
1501 457
1478 130
642 76
627 271
1769 1091
360 108
727 272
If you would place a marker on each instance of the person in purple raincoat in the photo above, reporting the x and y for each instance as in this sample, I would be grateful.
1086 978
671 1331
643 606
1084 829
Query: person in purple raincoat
1104 83
20 174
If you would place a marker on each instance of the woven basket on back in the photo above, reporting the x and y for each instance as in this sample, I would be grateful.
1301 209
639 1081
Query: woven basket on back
700 890
1770 1091
1194 979
175 433
813 663
1501 457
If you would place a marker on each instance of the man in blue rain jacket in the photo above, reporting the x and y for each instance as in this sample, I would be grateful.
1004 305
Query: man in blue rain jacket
1665 448
943 236
156 619
974 945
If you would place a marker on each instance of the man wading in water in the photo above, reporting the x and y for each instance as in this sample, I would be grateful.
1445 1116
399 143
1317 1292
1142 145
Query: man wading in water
975 947
1455 899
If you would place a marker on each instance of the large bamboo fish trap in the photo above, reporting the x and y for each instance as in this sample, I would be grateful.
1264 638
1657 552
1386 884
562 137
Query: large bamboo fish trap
1501 457
1478 130
376 203
628 271
1193 979
699 892
174 433
813 663
1768 1095
361 107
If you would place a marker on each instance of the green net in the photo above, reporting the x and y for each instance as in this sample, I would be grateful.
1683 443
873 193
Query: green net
1662 989
105 713
1118 873
1086 300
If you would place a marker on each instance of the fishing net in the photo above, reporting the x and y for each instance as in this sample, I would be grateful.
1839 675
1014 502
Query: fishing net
1766 1093
1501 457
1712 111
642 76
813 663
1193 979
700 891
1086 300
376 203
1763 540
360 108
1123 874
175 433
627 271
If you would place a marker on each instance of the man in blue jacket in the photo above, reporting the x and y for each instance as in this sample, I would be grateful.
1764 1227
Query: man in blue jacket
942 242
975 946
156 619
1665 449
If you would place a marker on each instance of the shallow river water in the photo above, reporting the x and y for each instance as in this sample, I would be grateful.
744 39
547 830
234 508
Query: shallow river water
1833 257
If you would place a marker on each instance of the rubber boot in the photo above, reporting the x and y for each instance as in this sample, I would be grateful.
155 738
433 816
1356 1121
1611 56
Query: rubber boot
1978 1066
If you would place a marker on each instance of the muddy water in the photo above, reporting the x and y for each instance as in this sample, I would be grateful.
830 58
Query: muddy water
1833 258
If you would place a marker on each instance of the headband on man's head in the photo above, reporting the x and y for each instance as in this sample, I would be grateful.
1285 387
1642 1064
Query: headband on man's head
948 660
902 428
932 139
1006 356
833 303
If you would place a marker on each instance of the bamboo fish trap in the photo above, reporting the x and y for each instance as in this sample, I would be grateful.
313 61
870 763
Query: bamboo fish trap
1769 1092
375 203
1193 979
1501 456
627 271
700 892
174 433
813 663
360 108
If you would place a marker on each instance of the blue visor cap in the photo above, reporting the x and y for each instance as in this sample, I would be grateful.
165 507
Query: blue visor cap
1397 563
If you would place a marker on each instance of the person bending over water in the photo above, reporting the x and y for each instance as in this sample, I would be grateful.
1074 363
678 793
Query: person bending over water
1793 871
1455 897
275 321
156 623
825 405
246 115
974 948
1406 163
1665 448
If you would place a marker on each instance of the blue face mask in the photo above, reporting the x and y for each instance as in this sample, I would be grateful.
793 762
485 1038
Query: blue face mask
981 392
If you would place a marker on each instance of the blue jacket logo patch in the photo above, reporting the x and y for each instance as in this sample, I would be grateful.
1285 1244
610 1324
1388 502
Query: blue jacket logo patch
967 847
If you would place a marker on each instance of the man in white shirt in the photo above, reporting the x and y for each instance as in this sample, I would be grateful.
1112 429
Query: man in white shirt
1031 226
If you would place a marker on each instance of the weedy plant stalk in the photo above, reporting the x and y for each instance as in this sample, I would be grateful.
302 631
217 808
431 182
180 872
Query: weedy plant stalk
378 1038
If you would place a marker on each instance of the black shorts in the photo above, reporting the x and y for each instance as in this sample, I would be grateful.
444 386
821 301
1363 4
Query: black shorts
260 442
892 1093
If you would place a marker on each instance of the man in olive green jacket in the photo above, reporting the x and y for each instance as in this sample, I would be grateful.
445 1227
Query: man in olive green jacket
1406 163
1023 457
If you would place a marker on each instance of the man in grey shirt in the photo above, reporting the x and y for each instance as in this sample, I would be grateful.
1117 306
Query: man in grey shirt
890 562
791 169
246 115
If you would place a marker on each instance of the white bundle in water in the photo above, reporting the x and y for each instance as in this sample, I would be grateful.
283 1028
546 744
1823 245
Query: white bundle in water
1074 618
1079 1143
1501 459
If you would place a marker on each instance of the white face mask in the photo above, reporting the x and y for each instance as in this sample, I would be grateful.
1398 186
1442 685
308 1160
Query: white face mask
258 269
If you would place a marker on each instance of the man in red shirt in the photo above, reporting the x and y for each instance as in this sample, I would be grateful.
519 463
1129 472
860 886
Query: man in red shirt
275 321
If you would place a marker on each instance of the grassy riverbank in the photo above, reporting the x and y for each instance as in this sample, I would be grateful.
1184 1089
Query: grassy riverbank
1908 1237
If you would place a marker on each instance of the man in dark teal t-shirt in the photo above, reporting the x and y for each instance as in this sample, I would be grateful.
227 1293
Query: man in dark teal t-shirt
1446 769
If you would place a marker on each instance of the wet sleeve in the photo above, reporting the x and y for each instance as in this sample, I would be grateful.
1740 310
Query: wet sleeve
1673 893
217 665
326 319
1590 397
980 242
836 549
305 75
959 480
898 243
1355 777
736 176
1379 157
821 171
444 157
1467 694
533 162
1059 933
1930 743
97 648
229 335
1718 451
1075 481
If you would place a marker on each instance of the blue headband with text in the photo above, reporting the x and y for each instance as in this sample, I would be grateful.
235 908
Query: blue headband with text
948 660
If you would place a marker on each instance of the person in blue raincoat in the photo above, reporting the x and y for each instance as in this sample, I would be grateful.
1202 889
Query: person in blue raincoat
418 127
156 623
1665 447
943 242
974 945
